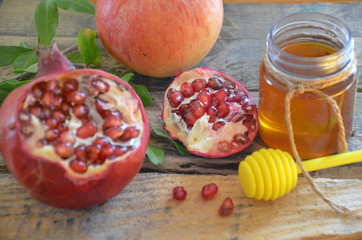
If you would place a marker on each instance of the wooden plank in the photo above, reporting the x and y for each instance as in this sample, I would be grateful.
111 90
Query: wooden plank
145 210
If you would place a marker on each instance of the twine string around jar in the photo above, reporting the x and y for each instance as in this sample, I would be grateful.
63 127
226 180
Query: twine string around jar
296 87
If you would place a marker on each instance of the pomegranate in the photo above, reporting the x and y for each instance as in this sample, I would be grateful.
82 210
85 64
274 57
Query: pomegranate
73 138
212 114
158 38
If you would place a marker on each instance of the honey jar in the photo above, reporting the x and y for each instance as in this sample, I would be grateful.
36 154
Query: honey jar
308 82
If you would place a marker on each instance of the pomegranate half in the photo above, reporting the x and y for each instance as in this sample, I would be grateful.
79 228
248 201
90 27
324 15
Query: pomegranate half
211 113
73 138
158 38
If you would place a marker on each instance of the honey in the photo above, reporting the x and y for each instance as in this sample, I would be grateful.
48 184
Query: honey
315 126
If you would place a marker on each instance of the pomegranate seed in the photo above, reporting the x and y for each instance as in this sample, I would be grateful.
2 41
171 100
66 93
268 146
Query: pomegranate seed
24 117
209 191
106 152
102 108
78 166
249 123
223 110
199 84
197 108
37 91
179 193
175 98
81 111
70 85
36 111
214 83
59 115
212 111
112 121
228 84
217 125
235 95
221 95
65 107
57 101
113 132
87 130
93 152
237 117
100 85
205 98
81 152
130 133
227 207
119 151
27 131
102 141
183 107
47 99
52 122
67 136
64 150
51 134
75 97
241 139
189 118
52 85
187 90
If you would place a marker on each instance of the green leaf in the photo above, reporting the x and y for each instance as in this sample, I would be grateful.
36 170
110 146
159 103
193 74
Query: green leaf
46 21
143 93
75 57
88 47
9 85
155 154
27 46
180 147
127 77
9 53
81 6
26 62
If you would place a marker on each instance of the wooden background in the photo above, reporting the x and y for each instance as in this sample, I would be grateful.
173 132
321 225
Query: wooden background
145 210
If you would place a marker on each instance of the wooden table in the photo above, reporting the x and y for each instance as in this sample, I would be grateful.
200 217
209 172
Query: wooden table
145 210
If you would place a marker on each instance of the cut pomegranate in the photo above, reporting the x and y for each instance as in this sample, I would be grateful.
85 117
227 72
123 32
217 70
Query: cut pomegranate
227 207
57 138
179 193
209 191
211 113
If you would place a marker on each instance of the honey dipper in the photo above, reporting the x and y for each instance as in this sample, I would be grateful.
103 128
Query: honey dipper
269 174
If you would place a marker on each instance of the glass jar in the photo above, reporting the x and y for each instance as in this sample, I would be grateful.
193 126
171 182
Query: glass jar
307 52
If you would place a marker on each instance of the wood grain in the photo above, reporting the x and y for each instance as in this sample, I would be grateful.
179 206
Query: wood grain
145 210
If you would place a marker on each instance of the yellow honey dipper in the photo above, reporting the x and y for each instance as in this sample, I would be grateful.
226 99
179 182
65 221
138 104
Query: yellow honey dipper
269 174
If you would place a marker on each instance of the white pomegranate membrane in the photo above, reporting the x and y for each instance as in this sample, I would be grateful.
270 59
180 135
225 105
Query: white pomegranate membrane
210 113
79 122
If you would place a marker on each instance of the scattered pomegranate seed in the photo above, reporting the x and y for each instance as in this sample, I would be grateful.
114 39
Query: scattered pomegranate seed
227 207
209 191
179 193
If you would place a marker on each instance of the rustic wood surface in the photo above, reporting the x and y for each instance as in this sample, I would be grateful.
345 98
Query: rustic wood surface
145 210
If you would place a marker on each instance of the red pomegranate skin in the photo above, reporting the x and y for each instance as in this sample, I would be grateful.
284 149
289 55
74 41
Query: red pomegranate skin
158 38
48 181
